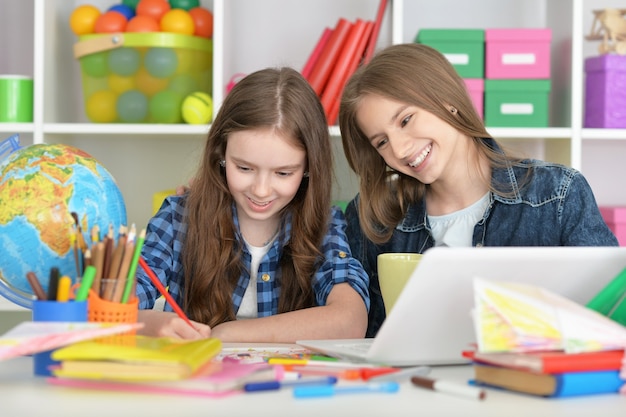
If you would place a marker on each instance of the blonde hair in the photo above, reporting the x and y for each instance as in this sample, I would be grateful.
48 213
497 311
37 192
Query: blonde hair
419 75
282 99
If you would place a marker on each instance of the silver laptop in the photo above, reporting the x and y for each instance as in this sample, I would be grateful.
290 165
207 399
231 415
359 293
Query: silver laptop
430 324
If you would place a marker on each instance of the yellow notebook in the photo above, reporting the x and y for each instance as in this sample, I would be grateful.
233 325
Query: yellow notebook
132 357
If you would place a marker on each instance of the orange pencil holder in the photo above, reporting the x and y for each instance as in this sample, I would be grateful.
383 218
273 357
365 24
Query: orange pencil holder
101 310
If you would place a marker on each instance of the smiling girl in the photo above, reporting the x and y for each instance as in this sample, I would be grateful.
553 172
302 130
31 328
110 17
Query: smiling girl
431 175
253 252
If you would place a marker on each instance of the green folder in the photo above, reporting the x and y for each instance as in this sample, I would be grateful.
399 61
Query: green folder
610 300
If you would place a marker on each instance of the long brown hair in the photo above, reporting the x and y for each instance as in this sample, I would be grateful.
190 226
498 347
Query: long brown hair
282 99
419 75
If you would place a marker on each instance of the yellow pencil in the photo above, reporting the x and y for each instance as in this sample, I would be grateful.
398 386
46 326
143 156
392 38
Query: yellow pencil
63 290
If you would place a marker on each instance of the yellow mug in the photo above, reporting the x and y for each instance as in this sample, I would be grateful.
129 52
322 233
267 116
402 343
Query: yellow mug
394 270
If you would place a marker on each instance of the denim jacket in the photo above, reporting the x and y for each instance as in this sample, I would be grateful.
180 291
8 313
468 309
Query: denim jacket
556 207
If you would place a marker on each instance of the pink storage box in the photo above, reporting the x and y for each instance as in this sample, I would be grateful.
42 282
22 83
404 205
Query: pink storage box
517 53
476 89
615 218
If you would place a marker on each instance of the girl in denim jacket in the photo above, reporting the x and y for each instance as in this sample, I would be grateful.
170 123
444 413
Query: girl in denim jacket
431 175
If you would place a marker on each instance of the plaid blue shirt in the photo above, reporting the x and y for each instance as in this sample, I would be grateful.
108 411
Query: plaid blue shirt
164 241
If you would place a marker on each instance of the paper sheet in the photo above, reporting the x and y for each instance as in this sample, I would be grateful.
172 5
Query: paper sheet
514 317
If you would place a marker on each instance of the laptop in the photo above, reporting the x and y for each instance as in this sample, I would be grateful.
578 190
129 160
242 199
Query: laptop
431 324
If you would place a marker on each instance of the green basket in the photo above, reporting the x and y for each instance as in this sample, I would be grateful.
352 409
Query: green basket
142 77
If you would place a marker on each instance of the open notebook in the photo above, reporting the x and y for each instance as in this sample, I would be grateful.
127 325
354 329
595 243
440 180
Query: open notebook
431 324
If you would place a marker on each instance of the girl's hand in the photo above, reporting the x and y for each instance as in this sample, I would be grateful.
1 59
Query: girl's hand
168 324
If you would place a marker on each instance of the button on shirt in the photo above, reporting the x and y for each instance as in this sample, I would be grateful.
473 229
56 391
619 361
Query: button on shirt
164 242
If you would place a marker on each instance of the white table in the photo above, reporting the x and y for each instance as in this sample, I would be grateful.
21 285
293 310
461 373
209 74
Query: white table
22 394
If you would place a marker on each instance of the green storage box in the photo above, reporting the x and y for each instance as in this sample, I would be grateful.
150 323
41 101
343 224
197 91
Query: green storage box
516 103
464 48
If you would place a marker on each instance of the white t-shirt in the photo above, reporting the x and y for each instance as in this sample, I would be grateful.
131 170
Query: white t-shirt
248 308
456 229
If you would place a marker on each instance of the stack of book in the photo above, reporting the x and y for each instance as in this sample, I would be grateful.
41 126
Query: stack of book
337 54
551 373
156 365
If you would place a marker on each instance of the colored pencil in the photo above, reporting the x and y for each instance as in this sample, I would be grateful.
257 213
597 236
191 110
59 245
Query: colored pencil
122 276
163 291
132 269
36 286
86 283
108 253
98 263
63 290
53 283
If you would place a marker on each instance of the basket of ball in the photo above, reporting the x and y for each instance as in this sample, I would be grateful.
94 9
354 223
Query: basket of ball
143 64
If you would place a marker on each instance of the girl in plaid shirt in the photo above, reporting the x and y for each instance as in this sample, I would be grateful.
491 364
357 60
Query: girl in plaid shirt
253 251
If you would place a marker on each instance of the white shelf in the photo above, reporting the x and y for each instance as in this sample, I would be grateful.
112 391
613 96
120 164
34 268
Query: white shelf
179 130
604 134
249 35
530 133
11 128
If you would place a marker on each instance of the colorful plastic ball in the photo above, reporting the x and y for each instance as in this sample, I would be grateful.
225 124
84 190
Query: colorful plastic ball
124 61
142 24
131 3
197 108
203 21
100 107
110 22
126 11
148 84
165 107
177 21
183 84
95 65
185 58
153 8
161 62
132 106
83 19
120 84
184 4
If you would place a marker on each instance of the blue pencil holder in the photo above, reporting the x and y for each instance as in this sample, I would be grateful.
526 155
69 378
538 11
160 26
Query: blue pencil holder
72 311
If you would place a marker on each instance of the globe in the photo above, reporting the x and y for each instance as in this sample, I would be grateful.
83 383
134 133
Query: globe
49 194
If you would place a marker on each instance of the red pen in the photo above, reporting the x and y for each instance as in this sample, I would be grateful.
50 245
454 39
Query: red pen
367 373
163 291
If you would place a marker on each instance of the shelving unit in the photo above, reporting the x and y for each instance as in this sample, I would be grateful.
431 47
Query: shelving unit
252 34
